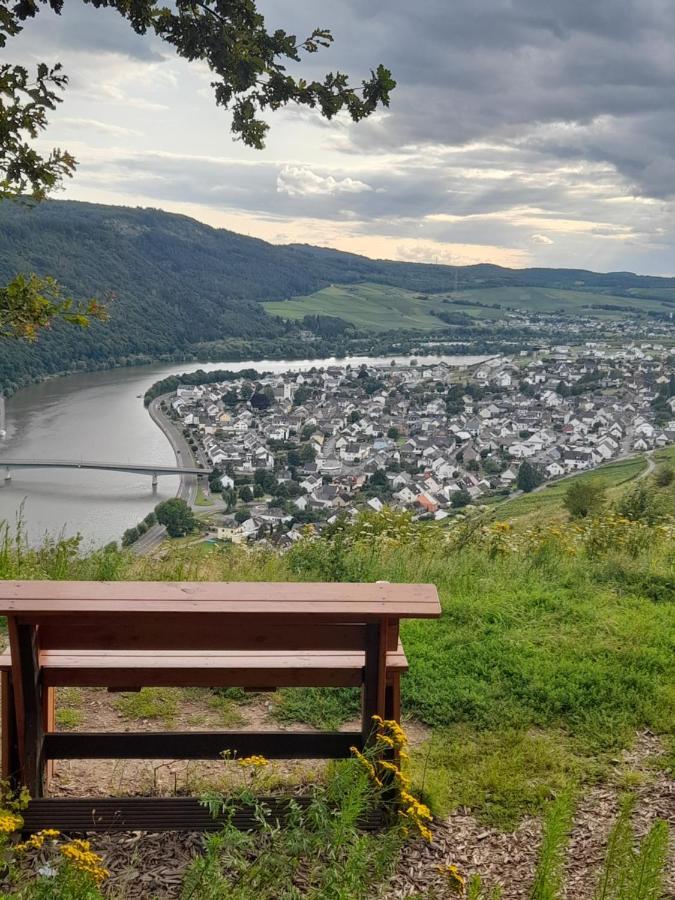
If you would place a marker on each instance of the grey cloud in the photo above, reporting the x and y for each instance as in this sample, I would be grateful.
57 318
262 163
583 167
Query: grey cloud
492 71
81 28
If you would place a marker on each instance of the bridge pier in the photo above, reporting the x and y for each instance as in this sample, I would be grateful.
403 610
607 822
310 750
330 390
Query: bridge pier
8 474
155 481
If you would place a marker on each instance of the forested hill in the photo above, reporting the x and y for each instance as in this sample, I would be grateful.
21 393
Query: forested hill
176 282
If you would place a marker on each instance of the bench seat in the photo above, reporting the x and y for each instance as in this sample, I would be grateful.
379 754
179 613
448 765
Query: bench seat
233 668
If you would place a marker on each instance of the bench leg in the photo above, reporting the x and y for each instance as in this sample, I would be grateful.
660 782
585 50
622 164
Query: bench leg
375 677
48 724
392 700
10 764
29 704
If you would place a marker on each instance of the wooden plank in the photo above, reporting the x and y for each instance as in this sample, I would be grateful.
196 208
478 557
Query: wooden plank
153 814
173 632
200 745
234 669
343 600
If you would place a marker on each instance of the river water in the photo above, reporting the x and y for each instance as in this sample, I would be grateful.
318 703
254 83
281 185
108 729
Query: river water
100 417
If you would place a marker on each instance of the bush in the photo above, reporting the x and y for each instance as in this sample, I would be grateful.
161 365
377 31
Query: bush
584 499
460 499
130 537
664 475
640 504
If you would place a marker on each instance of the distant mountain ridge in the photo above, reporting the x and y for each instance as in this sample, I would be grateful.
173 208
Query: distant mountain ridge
177 282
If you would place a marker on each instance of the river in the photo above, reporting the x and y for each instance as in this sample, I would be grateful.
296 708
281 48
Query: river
100 416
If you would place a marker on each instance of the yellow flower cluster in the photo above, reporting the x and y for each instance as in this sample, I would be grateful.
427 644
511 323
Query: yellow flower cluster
9 822
388 775
36 841
416 814
252 762
454 878
80 855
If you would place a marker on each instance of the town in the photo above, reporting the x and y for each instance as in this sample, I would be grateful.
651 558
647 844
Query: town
294 449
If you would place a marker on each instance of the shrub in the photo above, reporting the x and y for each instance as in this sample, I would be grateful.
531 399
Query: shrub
130 537
460 499
664 475
583 499
640 504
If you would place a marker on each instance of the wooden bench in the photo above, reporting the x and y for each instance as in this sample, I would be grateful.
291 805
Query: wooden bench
254 635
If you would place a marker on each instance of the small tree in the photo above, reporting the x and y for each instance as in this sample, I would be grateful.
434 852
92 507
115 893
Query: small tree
584 498
130 537
307 453
393 433
241 515
246 494
460 499
529 477
176 516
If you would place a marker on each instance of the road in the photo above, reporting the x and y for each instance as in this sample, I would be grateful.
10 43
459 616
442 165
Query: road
187 489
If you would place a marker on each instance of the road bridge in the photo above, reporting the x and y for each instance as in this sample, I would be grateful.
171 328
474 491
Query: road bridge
136 468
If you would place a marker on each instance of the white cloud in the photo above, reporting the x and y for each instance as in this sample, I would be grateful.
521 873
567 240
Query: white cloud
541 239
94 124
301 181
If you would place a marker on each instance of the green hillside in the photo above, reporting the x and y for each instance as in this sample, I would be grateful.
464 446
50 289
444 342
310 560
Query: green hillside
382 307
174 285
374 306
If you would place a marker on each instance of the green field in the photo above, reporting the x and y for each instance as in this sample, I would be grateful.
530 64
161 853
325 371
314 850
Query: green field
379 307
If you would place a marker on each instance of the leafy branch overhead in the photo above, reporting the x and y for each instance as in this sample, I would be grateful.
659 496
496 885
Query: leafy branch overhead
248 61
29 303
249 66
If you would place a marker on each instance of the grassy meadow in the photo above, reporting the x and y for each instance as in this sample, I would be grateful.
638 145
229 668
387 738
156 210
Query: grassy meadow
379 307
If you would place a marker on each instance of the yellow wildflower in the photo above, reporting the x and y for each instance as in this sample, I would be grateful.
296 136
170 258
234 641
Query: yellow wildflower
80 855
35 841
252 762
9 822
456 881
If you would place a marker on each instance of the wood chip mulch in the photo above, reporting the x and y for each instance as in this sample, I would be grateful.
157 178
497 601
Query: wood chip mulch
509 859
145 866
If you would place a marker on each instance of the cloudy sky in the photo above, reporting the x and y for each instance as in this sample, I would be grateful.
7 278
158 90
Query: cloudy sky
522 132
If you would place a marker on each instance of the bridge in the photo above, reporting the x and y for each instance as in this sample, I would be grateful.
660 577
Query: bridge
154 471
